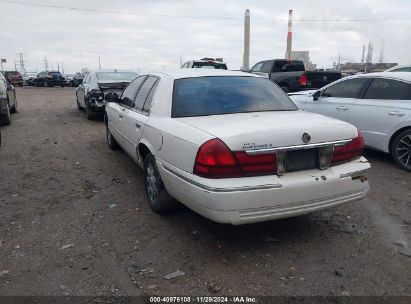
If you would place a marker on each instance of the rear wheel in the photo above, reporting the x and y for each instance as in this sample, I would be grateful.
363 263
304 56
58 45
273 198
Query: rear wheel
14 108
6 118
157 196
89 114
401 150
111 142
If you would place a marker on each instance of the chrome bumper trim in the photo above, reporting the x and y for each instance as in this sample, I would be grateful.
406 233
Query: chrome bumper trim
213 189
298 147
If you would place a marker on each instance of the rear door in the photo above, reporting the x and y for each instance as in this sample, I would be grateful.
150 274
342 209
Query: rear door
385 104
119 118
135 119
337 99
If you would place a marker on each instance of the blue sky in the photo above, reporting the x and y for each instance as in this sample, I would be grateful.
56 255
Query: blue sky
149 42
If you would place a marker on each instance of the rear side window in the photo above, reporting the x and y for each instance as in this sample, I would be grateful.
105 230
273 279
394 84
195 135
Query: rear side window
144 92
149 100
350 88
267 66
388 89
215 95
288 66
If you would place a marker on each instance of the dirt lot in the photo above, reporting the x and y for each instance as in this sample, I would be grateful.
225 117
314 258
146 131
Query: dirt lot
74 221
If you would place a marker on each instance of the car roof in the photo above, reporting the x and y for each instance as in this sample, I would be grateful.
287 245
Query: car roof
189 73
406 76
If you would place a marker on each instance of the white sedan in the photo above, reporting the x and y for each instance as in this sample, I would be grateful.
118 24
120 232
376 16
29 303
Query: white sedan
233 147
379 104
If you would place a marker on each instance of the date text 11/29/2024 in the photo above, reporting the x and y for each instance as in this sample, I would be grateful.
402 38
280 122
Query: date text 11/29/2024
201 299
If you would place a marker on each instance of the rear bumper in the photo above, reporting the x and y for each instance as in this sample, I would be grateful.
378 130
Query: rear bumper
256 199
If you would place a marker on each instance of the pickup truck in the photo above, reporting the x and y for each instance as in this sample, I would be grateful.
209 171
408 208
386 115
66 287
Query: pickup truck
291 76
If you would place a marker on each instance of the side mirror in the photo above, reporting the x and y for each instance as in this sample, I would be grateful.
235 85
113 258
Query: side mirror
316 95
111 97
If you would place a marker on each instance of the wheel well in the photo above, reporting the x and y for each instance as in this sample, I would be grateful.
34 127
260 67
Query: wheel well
142 148
395 135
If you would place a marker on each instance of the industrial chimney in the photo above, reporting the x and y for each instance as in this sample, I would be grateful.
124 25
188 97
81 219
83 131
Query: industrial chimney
246 54
289 35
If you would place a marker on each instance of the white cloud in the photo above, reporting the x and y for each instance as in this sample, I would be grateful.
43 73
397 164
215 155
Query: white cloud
150 42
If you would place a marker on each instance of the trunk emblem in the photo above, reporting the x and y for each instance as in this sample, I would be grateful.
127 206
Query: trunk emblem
306 137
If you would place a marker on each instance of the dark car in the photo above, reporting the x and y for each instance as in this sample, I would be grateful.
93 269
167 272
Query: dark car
49 79
77 80
291 76
91 93
14 78
8 101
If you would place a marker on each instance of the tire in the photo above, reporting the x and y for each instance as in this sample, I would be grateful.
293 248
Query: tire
78 104
6 119
401 150
111 142
14 108
89 114
157 196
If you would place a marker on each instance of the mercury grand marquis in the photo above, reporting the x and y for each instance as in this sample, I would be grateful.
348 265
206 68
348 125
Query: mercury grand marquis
233 147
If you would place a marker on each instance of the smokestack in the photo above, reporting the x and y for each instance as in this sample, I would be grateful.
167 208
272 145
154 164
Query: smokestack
289 35
369 54
363 54
382 51
246 54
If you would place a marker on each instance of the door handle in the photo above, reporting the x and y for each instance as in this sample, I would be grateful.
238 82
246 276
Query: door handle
138 125
120 115
342 108
396 113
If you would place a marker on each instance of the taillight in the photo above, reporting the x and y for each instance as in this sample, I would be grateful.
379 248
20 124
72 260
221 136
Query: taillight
302 80
349 151
215 160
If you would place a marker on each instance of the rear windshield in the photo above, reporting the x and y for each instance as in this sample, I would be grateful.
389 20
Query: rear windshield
217 95
120 76
13 73
288 66
54 73
209 65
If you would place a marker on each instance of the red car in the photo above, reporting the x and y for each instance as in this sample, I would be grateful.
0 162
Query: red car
14 77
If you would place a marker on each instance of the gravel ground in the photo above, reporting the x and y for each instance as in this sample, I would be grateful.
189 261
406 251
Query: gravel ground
74 221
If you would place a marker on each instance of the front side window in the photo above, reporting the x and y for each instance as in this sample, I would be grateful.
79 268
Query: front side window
215 95
130 92
404 69
257 67
381 88
350 88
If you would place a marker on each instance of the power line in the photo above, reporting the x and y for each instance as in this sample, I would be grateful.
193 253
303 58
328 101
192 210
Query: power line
197 17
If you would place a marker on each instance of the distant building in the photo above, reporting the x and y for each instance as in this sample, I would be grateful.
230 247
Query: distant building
352 68
304 56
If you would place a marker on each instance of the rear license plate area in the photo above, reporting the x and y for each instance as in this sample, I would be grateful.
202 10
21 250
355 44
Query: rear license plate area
298 160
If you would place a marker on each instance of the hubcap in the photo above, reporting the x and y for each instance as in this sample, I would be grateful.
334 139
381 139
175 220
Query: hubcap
404 150
151 183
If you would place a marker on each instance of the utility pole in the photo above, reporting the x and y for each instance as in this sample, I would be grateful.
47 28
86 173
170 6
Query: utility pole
58 66
62 66
15 65
99 63
289 35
